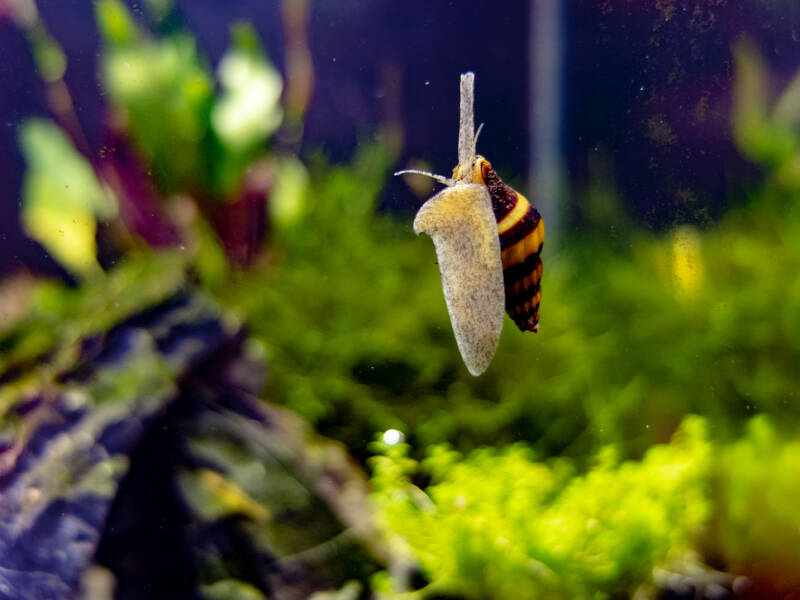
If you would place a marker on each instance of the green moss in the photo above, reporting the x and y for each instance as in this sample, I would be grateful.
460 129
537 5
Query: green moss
499 524
756 525
59 316
633 335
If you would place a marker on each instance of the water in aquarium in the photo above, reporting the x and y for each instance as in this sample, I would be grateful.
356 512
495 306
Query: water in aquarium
376 300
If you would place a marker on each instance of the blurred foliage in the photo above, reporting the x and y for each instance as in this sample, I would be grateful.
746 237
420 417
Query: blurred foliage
756 521
62 197
327 305
59 316
498 524
248 110
137 390
634 335
163 89
766 129
289 194
638 330
230 589
165 93
47 54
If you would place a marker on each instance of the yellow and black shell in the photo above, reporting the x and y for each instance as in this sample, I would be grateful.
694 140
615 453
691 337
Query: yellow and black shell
521 230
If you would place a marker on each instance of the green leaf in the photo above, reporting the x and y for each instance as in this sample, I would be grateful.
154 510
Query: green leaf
115 23
62 197
249 109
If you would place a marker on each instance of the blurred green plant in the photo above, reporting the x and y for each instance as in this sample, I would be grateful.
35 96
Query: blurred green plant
634 335
756 521
206 149
248 110
636 332
498 524
194 141
349 304
59 316
165 94
767 130
62 197
230 589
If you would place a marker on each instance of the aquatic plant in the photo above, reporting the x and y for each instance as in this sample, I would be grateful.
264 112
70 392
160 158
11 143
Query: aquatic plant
137 454
63 197
766 129
632 337
162 91
499 524
578 494
755 527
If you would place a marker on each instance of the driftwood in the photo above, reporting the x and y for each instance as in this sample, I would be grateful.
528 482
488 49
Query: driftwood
150 465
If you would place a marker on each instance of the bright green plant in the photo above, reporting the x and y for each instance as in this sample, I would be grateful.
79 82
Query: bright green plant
165 94
351 311
765 129
163 91
499 524
62 197
756 525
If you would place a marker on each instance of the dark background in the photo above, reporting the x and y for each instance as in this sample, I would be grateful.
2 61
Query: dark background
645 85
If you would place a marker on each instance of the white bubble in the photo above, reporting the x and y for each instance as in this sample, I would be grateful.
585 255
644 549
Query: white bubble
393 437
